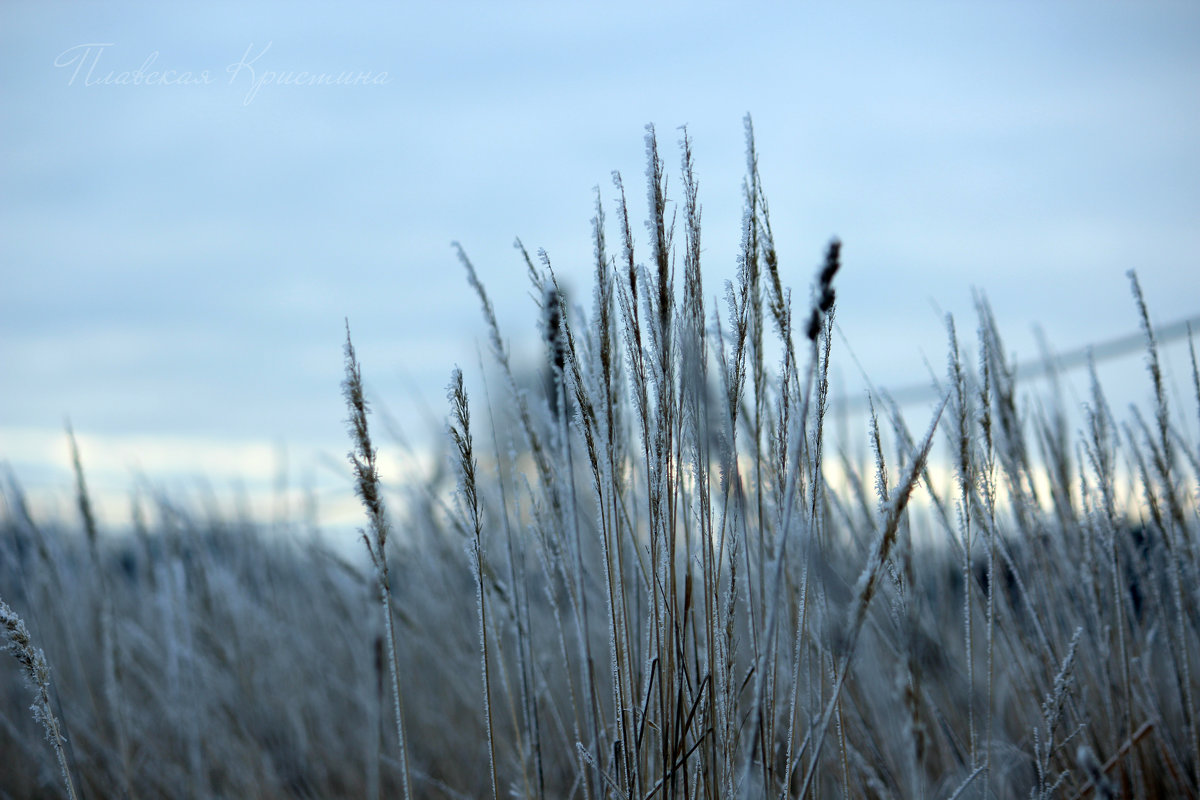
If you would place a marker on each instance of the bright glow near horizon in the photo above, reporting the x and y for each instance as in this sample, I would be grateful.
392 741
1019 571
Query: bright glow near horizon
177 256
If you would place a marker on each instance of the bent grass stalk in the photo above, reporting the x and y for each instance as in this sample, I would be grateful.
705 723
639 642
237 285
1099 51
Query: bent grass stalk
867 582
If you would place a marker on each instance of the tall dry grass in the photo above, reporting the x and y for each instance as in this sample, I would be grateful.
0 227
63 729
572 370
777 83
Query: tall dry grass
659 577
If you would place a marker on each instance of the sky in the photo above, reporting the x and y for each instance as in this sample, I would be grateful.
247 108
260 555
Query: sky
197 198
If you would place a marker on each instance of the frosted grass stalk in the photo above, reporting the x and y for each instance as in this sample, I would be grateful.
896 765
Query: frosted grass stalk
864 589
460 432
37 674
367 487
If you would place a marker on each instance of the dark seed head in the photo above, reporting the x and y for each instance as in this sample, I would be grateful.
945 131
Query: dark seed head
833 261
814 325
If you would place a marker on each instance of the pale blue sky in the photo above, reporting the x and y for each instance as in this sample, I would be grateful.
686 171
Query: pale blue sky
176 260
